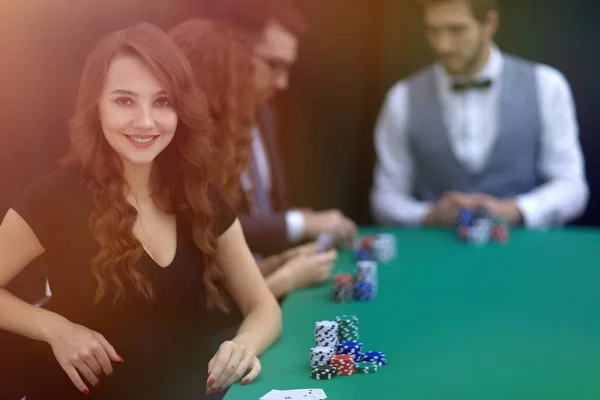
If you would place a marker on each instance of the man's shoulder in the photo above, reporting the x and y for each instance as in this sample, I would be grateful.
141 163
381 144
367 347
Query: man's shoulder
546 74
550 76
400 88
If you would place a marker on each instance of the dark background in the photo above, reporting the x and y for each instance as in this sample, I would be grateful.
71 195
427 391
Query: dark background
353 53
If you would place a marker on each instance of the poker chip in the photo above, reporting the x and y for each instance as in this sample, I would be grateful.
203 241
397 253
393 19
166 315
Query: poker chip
376 357
365 242
342 293
342 288
463 232
346 358
350 348
347 328
478 227
364 291
464 218
480 232
366 272
363 255
343 364
481 212
500 230
343 279
384 247
322 372
321 355
366 367
326 333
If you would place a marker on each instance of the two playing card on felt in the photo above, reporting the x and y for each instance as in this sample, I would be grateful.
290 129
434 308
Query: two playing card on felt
298 394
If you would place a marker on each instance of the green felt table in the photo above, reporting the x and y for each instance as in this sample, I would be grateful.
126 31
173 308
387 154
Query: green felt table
519 320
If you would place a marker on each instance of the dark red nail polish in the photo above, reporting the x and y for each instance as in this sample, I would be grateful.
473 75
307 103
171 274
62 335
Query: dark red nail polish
120 358
245 381
210 382
97 384
86 392
109 374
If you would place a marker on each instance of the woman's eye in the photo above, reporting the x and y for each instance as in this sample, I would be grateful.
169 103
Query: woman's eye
124 101
162 102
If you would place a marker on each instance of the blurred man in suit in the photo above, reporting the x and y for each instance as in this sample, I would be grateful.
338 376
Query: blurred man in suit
478 128
272 27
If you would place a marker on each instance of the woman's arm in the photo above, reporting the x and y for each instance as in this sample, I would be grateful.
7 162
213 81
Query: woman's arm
78 350
18 247
262 315
269 265
262 322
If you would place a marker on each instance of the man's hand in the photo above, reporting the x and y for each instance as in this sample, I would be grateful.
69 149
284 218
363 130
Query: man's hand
302 250
333 222
446 209
506 208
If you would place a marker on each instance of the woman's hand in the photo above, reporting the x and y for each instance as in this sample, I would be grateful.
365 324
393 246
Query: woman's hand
82 352
230 363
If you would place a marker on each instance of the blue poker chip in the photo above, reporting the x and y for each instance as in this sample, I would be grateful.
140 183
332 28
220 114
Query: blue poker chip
364 291
465 218
363 255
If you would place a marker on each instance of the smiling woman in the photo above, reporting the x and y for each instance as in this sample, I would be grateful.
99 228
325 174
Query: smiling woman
138 244
139 117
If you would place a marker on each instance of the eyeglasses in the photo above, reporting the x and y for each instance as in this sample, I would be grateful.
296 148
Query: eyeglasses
277 66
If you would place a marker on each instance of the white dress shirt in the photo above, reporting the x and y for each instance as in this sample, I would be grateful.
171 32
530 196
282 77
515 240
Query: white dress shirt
294 219
471 120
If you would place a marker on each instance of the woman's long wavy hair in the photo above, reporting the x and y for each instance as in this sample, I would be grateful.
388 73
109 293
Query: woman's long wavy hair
180 174
224 70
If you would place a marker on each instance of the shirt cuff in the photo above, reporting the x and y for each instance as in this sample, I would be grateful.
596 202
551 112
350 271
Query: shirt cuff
294 221
421 211
534 215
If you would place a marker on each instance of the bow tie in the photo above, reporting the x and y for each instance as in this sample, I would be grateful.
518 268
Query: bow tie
463 86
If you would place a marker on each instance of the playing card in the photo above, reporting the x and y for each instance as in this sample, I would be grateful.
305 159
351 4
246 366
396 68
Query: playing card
324 242
298 394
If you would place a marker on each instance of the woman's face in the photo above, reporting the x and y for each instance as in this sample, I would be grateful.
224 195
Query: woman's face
135 113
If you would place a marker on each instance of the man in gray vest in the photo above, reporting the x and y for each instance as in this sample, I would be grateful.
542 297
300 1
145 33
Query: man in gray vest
477 128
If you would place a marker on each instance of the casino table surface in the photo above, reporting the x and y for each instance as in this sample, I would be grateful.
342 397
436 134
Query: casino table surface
519 320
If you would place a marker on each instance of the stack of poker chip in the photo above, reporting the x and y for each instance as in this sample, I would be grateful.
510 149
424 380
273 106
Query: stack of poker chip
322 372
346 358
326 334
478 227
363 255
500 229
352 348
464 221
364 291
321 355
366 279
384 247
343 364
363 248
376 357
343 288
366 367
481 228
347 328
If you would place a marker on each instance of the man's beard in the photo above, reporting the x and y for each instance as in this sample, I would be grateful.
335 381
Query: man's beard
476 58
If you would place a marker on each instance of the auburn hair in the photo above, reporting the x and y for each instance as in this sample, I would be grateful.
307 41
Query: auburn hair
179 179
223 67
